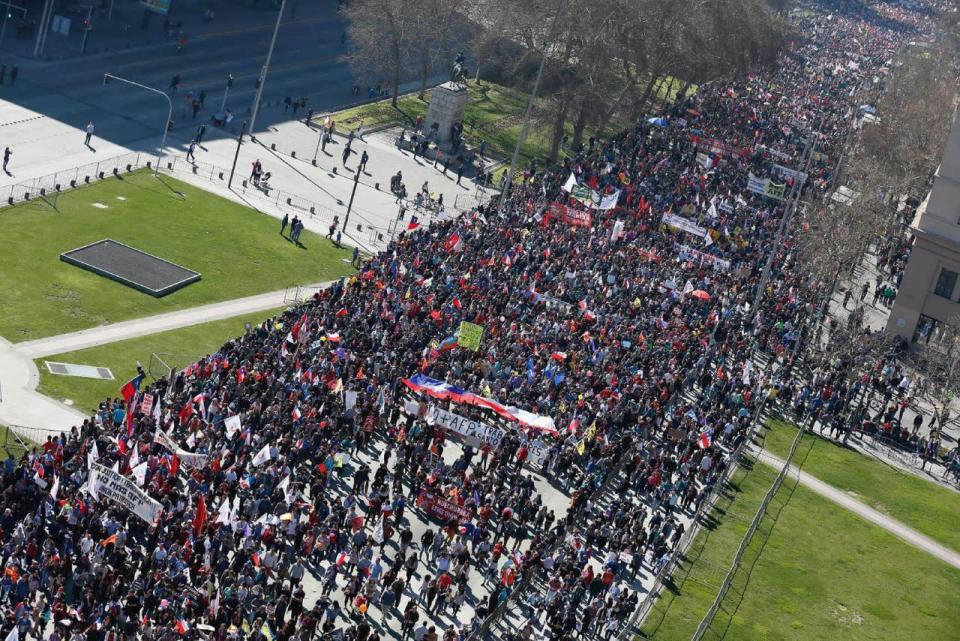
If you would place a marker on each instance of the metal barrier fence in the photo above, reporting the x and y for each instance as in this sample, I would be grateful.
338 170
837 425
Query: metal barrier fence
66 179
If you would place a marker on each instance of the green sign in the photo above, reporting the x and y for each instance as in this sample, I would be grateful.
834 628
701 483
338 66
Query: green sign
584 194
470 335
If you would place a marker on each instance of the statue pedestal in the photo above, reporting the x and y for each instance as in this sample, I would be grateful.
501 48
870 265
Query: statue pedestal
447 104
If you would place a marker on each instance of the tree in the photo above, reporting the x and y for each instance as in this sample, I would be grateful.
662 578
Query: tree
380 33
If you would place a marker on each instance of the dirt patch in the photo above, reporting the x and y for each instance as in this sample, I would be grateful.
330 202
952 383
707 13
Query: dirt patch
844 615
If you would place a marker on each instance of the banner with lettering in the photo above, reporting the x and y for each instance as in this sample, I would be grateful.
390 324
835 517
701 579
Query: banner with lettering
683 224
104 483
187 458
442 508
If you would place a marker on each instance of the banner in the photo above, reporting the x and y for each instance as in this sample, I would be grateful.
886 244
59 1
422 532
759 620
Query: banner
443 509
568 215
765 187
470 335
584 194
686 252
785 173
439 389
609 201
114 486
475 433
187 458
681 223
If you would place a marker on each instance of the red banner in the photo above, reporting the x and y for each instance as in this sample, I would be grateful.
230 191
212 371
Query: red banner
568 215
442 508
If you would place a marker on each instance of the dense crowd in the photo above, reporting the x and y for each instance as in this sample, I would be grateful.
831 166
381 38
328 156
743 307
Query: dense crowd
299 482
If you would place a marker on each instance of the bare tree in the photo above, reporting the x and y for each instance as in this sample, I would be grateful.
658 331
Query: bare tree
380 33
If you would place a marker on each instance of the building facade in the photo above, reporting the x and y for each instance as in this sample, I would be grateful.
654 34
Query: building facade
928 302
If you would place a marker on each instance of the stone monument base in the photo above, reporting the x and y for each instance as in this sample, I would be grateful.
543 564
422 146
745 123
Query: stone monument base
447 105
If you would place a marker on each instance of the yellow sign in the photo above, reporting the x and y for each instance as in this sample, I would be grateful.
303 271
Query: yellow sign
470 335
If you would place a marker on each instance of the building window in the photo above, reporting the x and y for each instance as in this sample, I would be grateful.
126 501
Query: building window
945 283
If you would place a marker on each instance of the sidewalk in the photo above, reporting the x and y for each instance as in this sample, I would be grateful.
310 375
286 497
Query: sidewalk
842 499
22 405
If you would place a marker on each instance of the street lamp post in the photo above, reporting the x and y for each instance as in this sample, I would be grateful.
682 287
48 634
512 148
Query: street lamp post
107 77
356 181
266 67
236 155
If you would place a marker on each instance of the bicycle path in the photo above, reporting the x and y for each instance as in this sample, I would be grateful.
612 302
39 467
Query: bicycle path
21 405
880 519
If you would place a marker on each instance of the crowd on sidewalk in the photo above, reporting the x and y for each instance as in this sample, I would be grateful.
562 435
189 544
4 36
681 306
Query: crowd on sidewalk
361 445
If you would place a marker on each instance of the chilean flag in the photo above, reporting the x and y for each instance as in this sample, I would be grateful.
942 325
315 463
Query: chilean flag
704 441
199 519
452 243
131 388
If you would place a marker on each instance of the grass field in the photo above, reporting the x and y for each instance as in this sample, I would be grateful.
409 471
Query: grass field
494 113
178 348
238 251
923 505
814 571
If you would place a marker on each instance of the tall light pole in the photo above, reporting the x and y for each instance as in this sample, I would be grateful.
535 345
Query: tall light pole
107 77
6 16
526 116
266 66
43 27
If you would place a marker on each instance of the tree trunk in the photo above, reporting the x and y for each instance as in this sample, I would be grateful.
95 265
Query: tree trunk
670 90
396 73
578 127
558 126
424 68
608 115
641 102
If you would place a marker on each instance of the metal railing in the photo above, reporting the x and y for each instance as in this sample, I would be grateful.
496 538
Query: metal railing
66 179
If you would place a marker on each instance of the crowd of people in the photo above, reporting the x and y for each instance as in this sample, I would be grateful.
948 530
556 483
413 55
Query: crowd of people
308 480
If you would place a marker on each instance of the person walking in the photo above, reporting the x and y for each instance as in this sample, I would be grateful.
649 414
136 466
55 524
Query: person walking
202 97
89 133
346 154
174 83
364 157
14 72
284 223
190 150
6 158
201 131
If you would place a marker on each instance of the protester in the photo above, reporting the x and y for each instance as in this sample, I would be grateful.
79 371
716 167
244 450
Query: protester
451 415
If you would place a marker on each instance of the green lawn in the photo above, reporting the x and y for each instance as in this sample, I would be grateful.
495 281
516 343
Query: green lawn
238 251
814 571
494 113
923 505
178 348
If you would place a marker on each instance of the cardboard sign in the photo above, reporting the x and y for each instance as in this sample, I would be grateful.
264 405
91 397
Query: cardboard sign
470 335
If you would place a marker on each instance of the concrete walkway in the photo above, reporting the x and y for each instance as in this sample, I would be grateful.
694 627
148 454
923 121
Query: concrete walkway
844 500
22 406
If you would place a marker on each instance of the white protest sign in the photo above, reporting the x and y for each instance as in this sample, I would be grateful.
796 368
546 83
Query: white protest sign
232 425
681 223
187 458
113 485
